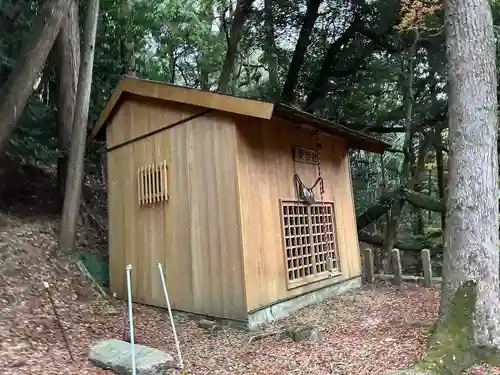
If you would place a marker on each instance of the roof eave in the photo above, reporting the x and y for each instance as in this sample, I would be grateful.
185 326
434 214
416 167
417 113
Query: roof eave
252 108
97 130
180 94
354 138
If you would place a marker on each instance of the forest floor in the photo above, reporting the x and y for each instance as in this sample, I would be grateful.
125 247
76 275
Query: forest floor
367 331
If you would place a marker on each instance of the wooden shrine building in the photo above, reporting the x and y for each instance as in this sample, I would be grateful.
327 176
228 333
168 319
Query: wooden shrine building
214 187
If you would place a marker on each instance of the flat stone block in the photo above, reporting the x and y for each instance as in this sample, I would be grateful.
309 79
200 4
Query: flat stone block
115 355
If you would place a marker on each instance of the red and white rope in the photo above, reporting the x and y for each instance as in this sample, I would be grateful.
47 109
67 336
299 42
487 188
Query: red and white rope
326 238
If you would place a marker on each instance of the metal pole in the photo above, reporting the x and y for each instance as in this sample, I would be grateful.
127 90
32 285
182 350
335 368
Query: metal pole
179 353
130 318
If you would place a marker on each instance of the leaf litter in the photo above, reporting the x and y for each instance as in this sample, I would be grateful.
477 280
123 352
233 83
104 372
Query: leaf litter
367 331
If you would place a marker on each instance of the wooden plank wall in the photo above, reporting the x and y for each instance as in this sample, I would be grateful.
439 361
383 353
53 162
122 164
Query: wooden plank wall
265 170
196 233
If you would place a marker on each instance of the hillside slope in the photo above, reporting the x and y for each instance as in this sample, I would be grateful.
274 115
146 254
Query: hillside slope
30 338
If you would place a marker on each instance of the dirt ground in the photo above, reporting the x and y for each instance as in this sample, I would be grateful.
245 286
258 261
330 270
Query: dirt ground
366 331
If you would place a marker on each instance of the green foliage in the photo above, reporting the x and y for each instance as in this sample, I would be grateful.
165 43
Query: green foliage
98 266
184 42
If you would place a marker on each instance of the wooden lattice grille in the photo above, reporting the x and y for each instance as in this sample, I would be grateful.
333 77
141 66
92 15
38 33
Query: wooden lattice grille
152 183
308 258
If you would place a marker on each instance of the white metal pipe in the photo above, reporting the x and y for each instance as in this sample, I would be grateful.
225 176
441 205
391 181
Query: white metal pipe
179 353
130 318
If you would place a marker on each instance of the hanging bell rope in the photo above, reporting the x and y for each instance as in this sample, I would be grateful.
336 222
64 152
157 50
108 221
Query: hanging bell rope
326 236
303 192
306 195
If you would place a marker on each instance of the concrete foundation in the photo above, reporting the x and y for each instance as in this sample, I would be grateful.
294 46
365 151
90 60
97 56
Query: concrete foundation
282 309
279 309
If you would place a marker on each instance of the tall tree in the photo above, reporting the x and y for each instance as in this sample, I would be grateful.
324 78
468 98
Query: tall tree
292 77
468 330
397 205
127 42
207 16
67 49
241 13
16 91
270 47
320 87
471 233
74 177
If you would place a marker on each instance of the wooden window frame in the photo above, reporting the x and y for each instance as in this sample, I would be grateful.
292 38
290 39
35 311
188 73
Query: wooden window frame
152 183
313 244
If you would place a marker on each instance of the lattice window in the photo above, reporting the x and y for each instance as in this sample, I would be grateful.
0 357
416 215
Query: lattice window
152 183
308 258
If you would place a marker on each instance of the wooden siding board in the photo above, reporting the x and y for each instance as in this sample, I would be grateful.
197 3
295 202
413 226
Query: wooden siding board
238 266
177 250
269 190
351 216
116 226
249 190
147 112
265 170
227 201
211 168
195 234
161 151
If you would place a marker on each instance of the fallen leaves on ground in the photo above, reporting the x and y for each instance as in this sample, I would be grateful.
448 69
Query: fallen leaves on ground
482 370
366 331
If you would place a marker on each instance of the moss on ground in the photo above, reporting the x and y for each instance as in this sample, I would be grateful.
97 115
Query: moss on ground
451 349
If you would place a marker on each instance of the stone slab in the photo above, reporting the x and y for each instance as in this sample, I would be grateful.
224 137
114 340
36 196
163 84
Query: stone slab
115 355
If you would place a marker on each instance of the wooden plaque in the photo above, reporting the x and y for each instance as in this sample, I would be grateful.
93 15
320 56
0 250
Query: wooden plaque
304 155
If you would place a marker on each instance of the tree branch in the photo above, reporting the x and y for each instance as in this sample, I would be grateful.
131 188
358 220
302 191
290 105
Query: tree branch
435 247
329 61
378 209
424 201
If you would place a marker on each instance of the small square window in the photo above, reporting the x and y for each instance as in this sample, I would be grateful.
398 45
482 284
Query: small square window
152 183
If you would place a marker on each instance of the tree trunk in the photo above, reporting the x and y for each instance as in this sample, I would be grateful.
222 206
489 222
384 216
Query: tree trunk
127 55
418 177
270 48
74 178
172 60
397 206
235 78
67 68
207 14
471 234
379 264
435 67
243 9
288 92
16 91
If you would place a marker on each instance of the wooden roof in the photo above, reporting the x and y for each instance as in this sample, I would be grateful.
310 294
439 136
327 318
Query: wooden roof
231 104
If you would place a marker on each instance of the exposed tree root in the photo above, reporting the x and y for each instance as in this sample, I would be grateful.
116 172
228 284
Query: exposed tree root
451 348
